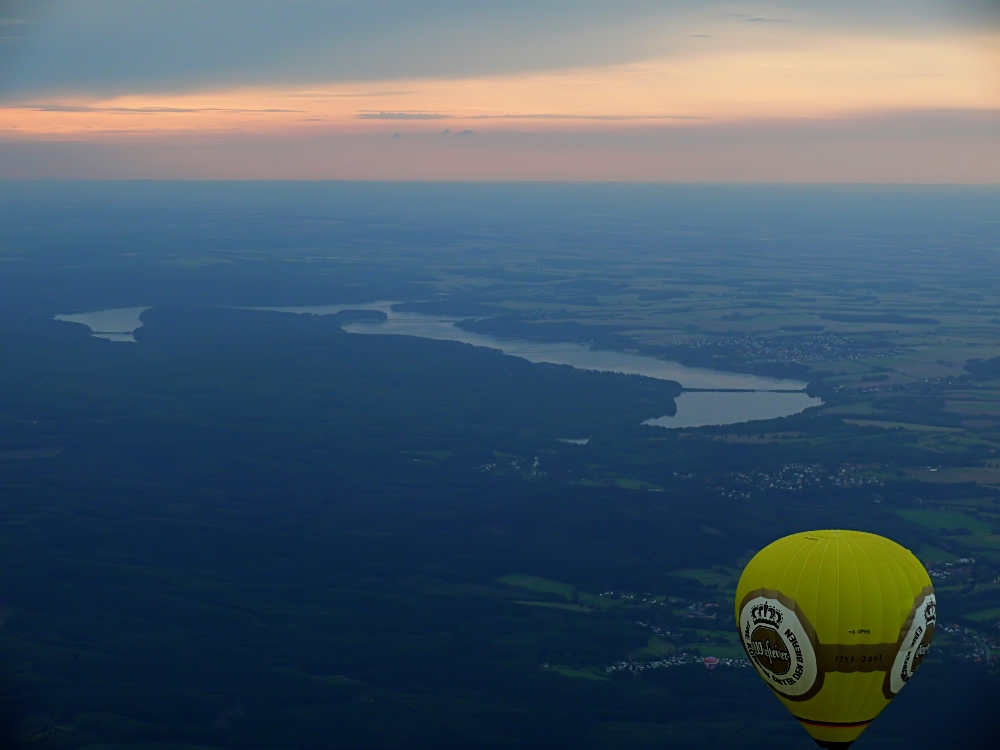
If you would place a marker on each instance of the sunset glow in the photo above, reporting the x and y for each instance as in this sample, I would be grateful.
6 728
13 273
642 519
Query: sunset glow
756 79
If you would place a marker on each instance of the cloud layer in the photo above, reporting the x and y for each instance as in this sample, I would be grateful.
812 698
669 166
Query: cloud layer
550 89
114 47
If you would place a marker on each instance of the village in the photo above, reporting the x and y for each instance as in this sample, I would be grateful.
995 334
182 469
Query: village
794 477
790 350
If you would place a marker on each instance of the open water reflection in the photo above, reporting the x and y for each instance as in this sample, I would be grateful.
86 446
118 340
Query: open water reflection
759 397
702 408
114 325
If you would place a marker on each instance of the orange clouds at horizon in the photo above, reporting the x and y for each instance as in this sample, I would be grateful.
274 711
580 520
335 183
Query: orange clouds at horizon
824 78
772 77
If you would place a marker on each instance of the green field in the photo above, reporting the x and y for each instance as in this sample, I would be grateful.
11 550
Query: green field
563 590
985 615
948 521
719 577
557 605
585 674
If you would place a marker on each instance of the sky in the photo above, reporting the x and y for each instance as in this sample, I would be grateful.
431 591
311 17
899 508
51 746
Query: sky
881 91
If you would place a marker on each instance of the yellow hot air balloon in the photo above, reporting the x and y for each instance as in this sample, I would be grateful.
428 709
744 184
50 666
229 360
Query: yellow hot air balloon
836 623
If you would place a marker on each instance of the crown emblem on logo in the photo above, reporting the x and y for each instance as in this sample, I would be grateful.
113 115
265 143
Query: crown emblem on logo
765 614
930 611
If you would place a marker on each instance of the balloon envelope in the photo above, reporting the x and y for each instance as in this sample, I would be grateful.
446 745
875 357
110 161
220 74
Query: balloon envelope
835 622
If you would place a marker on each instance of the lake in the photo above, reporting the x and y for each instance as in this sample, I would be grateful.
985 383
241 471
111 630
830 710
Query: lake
114 325
732 397
729 398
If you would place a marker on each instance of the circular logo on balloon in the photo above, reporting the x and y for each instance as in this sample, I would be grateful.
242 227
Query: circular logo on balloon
914 642
780 643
